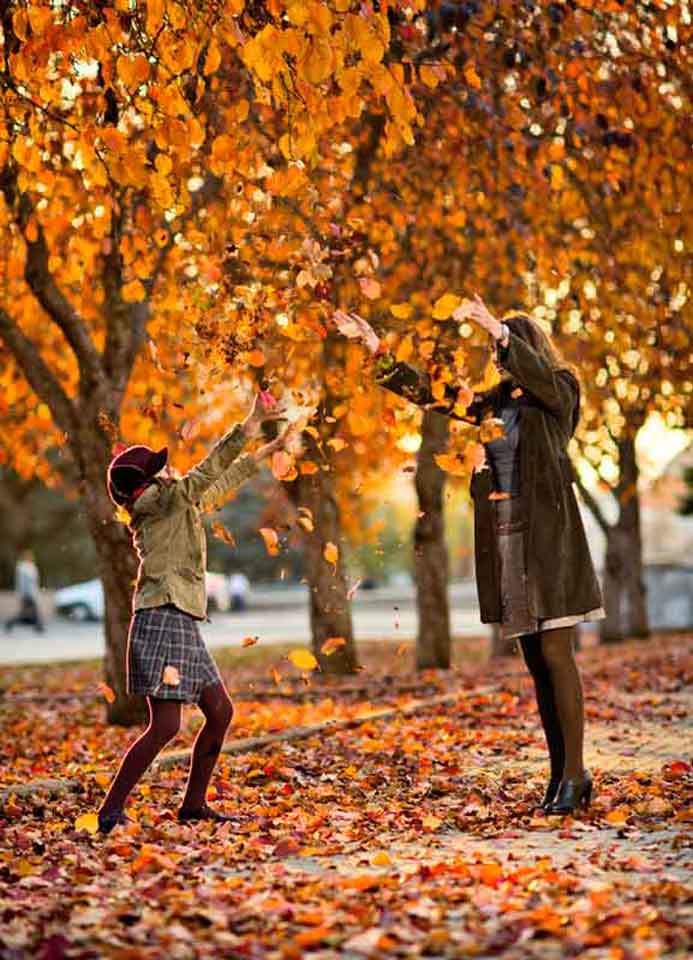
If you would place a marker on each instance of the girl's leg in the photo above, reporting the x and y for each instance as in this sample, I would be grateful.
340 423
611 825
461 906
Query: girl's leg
217 708
164 723
558 652
532 652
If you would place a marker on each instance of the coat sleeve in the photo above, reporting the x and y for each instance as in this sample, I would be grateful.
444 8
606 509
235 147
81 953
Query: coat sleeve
208 472
415 385
557 390
240 470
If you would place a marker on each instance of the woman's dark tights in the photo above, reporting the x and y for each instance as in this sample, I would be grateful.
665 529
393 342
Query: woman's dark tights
164 724
550 658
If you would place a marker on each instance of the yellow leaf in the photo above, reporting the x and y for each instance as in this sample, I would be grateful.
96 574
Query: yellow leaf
381 859
24 868
303 659
88 822
337 443
445 305
401 310
331 553
271 540
103 779
332 644
490 429
428 76
405 349
556 176
431 823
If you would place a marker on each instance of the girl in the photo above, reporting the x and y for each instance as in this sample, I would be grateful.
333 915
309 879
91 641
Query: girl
168 661
533 567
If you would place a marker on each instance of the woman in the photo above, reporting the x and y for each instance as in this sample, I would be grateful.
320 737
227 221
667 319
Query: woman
167 658
533 567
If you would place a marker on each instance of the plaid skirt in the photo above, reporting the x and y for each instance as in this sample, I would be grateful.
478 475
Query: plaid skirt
167 657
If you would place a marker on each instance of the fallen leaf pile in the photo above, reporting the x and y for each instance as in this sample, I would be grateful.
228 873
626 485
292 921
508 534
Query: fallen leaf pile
415 836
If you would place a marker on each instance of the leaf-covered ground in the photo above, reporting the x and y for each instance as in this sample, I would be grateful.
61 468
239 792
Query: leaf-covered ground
415 836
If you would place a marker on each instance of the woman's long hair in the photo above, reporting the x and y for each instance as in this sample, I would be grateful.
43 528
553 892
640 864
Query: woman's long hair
533 335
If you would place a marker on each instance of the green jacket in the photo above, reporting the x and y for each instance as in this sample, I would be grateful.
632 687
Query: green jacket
560 573
167 529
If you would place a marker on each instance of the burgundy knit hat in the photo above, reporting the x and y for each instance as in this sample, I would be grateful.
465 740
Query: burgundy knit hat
132 468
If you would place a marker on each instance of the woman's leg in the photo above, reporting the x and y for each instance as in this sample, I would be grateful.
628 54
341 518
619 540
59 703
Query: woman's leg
558 653
164 723
217 708
532 652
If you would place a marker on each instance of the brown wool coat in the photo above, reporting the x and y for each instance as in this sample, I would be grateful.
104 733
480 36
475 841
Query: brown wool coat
560 573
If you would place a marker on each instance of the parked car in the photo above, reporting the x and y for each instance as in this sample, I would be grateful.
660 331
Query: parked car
84 601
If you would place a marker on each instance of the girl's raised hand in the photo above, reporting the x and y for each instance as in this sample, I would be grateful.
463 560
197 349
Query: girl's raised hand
354 327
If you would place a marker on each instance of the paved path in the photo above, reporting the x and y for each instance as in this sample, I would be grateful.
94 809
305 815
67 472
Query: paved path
276 617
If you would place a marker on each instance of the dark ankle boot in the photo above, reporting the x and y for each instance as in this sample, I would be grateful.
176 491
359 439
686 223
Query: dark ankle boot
572 794
551 791
204 812
107 821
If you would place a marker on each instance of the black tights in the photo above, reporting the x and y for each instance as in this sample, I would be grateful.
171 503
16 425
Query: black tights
164 723
550 658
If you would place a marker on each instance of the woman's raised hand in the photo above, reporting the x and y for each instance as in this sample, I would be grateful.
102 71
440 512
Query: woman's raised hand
354 327
477 311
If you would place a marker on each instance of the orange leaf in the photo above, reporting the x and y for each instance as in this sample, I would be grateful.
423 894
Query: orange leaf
256 358
107 692
271 540
332 644
249 641
221 533
369 288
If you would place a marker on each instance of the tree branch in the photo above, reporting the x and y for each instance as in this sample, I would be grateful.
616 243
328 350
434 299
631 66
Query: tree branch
42 283
39 376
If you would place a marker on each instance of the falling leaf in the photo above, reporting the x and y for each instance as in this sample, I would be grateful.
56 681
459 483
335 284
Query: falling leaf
171 676
445 305
249 641
305 519
221 533
491 429
256 358
107 692
337 443
402 648
271 540
282 465
369 288
302 659
401 310
332 644
88 822
331 553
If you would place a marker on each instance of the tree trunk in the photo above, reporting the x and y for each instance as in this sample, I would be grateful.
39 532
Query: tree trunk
118 570
625 599
330 610
430 552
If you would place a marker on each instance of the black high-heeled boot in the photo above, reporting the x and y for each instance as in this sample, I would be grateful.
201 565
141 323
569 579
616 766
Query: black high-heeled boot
550 795
572 794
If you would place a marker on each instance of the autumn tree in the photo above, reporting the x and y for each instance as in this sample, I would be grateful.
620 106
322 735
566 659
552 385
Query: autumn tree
613 258
133 182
